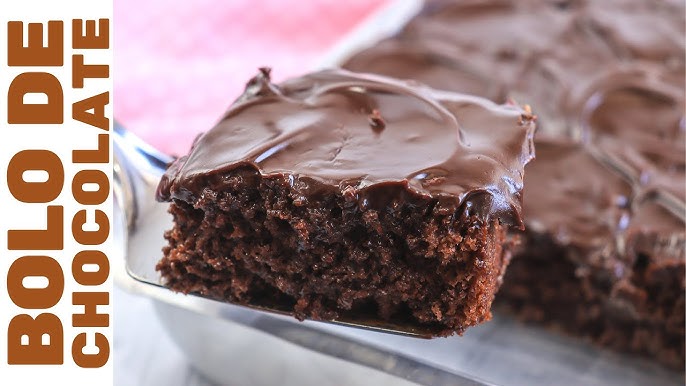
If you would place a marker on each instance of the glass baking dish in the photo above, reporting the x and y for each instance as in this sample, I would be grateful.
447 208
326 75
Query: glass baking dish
218 338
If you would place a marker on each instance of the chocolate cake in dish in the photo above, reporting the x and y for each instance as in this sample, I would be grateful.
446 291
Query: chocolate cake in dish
341 196
602 256
609 266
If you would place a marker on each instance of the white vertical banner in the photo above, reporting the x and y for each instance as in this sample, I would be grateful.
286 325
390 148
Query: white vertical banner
56 199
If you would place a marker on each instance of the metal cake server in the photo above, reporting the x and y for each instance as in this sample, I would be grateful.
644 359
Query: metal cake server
207 330
139 229
212 333
137 170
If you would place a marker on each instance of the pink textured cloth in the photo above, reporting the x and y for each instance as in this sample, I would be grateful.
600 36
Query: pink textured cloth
178 63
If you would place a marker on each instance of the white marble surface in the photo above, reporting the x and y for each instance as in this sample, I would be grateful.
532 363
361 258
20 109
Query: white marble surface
144 355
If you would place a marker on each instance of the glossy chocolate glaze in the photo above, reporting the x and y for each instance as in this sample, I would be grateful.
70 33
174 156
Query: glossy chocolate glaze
606 78
359 134
605 205
539 52
605 199
594 202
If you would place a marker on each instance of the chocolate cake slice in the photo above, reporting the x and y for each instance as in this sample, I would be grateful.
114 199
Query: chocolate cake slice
350 197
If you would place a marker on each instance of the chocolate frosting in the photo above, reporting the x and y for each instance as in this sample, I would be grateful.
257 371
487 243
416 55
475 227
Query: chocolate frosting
606 79
582 211
605 198
339 130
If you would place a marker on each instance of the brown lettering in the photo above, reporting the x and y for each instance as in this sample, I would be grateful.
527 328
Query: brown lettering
19 112
35 352
35 266
80 111
48 239
99 156
96 237
90 316
92 258
85 197
33 160
90 360
81 71
35 54
90 40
